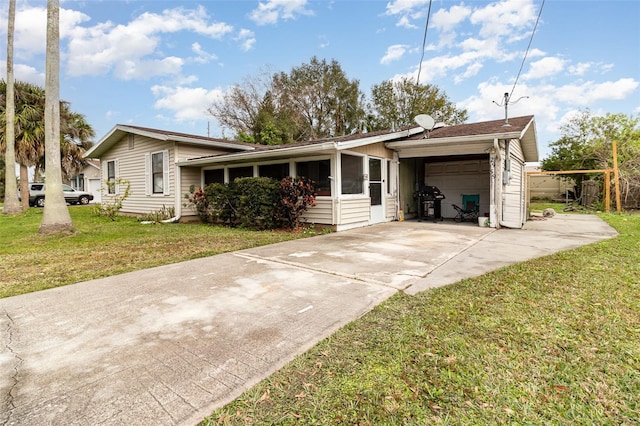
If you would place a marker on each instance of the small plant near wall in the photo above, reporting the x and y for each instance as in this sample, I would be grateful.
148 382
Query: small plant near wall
163 214
112 206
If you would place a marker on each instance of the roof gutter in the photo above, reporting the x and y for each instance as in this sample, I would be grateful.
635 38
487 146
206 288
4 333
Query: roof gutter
455 139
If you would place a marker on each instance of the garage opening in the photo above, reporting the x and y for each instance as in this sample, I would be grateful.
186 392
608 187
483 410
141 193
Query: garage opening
457 177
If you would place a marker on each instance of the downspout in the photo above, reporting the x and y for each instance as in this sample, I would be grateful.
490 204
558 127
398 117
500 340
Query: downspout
396 188
497 185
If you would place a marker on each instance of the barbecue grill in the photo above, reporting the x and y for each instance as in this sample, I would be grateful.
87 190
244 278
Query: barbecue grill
429 203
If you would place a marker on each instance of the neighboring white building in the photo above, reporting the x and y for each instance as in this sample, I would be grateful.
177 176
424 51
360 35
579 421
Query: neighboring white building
361 179
89 179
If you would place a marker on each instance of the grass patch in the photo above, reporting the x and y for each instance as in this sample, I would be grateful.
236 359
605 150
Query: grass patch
101 247
554 340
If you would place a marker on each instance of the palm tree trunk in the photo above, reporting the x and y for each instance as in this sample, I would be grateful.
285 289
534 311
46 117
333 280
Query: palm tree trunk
11 202
24 186
56 217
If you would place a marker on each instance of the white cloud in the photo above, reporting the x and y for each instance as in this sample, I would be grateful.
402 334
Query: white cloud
394 53
505 18
273 11
545 67
247 39
404 22
185 103
124 48
446 20
404 7
202 56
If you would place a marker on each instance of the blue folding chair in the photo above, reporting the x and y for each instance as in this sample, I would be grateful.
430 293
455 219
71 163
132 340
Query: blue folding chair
470 209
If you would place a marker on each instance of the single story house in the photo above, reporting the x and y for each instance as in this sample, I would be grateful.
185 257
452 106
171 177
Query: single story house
361 179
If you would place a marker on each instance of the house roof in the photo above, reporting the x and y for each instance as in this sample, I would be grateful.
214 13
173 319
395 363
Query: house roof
120 130
485 132
306 147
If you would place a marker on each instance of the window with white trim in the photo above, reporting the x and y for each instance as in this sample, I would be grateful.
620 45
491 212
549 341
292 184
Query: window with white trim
157 173
111 177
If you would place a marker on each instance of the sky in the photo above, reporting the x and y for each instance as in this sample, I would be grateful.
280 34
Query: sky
162 63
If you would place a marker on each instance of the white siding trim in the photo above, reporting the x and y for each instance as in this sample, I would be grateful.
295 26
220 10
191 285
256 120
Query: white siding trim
166 189
147 174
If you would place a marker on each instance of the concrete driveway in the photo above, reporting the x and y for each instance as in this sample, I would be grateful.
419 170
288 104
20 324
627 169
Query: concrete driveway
168 345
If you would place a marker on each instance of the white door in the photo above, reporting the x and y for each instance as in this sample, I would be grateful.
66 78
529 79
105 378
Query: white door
94 188
376 188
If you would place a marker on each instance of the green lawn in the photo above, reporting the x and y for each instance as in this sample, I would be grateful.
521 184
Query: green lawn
101 247
554 340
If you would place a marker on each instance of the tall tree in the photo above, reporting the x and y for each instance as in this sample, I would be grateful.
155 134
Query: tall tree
11 203
394 104
328 103
314 100
76 134
56 217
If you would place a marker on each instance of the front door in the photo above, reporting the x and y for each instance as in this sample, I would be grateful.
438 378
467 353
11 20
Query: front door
376 189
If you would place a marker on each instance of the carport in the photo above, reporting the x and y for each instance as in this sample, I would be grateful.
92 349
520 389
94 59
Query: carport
485 159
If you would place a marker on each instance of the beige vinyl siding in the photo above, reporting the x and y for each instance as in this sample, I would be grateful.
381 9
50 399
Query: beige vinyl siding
353 210
185 152
513 193
321 213
376 150
189 176
131 167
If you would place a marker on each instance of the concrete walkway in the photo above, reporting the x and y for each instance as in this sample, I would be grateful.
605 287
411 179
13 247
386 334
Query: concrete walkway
168 345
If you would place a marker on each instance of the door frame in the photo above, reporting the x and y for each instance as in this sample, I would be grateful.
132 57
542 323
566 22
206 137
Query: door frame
377 211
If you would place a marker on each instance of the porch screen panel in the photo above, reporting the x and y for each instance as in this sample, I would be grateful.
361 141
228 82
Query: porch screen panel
274 171
352 170
318 172
213 176
240 172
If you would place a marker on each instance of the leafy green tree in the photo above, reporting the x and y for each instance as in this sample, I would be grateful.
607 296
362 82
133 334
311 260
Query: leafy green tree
395 103
76 134
325 101
586 144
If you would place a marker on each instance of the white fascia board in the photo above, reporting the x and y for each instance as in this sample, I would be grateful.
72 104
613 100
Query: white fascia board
398 146
379 138
253 155
201 142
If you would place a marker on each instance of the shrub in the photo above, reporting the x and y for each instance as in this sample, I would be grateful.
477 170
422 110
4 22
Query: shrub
111 207
256 202
295 196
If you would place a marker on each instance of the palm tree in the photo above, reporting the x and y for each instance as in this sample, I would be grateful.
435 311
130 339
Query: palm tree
55 218
29 129
11 203
75 140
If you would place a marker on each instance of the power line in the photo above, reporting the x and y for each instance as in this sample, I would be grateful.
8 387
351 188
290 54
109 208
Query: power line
526 52
424 43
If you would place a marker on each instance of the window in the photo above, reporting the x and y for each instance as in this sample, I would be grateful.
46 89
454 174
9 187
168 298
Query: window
240 172
351 171
157 174
213 176
274 171
156 171
111 177
318 172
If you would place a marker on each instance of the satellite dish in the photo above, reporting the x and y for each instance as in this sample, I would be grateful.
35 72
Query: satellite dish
425 121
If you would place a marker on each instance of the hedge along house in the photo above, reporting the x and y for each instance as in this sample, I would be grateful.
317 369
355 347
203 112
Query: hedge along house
360 179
